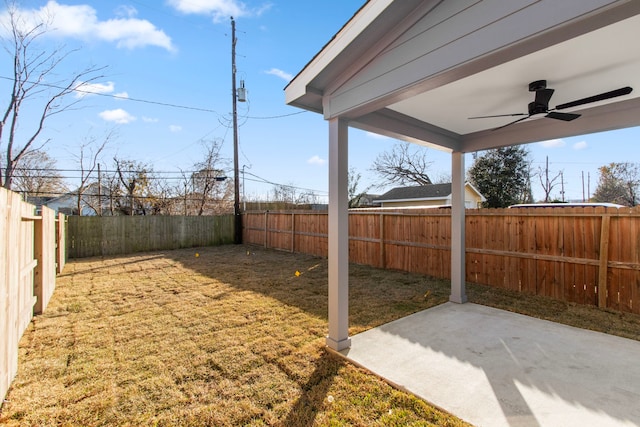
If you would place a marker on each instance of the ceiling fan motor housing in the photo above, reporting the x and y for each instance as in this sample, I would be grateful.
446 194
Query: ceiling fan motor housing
537 85
537 108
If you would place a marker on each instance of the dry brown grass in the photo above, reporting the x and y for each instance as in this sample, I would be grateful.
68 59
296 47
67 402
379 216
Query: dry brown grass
229 337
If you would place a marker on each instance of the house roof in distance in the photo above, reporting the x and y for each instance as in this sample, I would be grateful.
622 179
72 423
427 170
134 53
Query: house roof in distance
432 191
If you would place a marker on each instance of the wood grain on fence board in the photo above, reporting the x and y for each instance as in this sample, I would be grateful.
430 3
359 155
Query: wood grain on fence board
556 252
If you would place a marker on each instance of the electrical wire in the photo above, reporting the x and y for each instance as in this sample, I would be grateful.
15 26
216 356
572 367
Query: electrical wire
179 175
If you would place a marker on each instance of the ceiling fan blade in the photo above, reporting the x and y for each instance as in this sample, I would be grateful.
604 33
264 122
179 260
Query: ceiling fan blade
600 97
543 96
511 123
567 117
499 115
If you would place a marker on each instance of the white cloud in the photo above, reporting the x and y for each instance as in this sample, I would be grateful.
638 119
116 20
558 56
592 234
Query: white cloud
316 160
149 119
118 116
553 143
133 33
84 89
580 145
175 128
218 9
126 11
81 22
121 95
279 73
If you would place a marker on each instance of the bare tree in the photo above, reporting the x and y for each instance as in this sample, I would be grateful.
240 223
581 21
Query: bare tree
208 182
90 150
37 176
288 194
111 183
34 85
355 194
405 163
135 178
548 184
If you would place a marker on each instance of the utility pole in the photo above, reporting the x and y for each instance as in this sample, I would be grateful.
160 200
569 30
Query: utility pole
236 177
562 185
547 189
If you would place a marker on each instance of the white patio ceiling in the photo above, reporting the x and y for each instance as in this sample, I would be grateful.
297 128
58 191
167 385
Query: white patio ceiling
417 70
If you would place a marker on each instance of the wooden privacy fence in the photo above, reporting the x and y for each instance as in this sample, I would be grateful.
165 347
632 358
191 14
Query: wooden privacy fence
571 254
113 235
30 256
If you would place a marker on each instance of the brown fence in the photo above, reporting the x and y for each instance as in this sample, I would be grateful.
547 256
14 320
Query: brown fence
28 259
565 253
114 235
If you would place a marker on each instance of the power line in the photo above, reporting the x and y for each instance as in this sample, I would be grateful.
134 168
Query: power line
178 175
159 103
276 117
263 180
125 98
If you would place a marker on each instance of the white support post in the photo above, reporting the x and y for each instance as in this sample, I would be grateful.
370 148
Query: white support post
458 292
338 338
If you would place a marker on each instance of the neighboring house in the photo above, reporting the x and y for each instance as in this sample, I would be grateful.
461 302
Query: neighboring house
429 195
68 203
365 201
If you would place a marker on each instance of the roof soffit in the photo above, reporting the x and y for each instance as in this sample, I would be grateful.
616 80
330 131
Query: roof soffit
459 39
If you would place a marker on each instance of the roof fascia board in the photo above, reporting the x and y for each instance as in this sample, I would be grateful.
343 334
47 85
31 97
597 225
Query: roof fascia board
524 35
607 117
391 36
349 32
397 125
416 199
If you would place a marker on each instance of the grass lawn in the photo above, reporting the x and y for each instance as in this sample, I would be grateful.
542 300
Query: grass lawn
229 336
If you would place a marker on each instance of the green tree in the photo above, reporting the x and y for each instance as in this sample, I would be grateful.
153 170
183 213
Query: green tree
618 183
502 175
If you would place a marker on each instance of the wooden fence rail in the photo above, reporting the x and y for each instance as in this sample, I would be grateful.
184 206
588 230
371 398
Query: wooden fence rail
28 259
114 235
583 255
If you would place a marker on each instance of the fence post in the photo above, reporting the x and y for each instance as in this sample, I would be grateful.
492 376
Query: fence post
293 232
266 229
61 244
383 263
604 258
39 248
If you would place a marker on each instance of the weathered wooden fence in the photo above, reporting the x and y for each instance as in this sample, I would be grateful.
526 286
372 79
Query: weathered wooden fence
28 260
113 235
567 253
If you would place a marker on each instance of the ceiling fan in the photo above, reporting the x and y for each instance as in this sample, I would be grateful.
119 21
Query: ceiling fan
541 104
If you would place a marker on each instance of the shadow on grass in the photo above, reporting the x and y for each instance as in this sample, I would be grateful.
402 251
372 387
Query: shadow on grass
376 296
314 391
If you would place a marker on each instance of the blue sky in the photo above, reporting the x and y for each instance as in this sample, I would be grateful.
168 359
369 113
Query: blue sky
178 52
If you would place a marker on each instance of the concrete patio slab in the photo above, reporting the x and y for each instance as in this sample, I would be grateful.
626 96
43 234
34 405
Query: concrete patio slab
495 368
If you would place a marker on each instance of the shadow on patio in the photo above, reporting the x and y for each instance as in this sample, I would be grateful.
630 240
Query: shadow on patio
496 368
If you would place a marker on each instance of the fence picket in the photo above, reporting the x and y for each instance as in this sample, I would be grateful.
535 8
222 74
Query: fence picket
553 252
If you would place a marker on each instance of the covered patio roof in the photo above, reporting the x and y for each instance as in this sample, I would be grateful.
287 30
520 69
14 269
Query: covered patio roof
417 70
